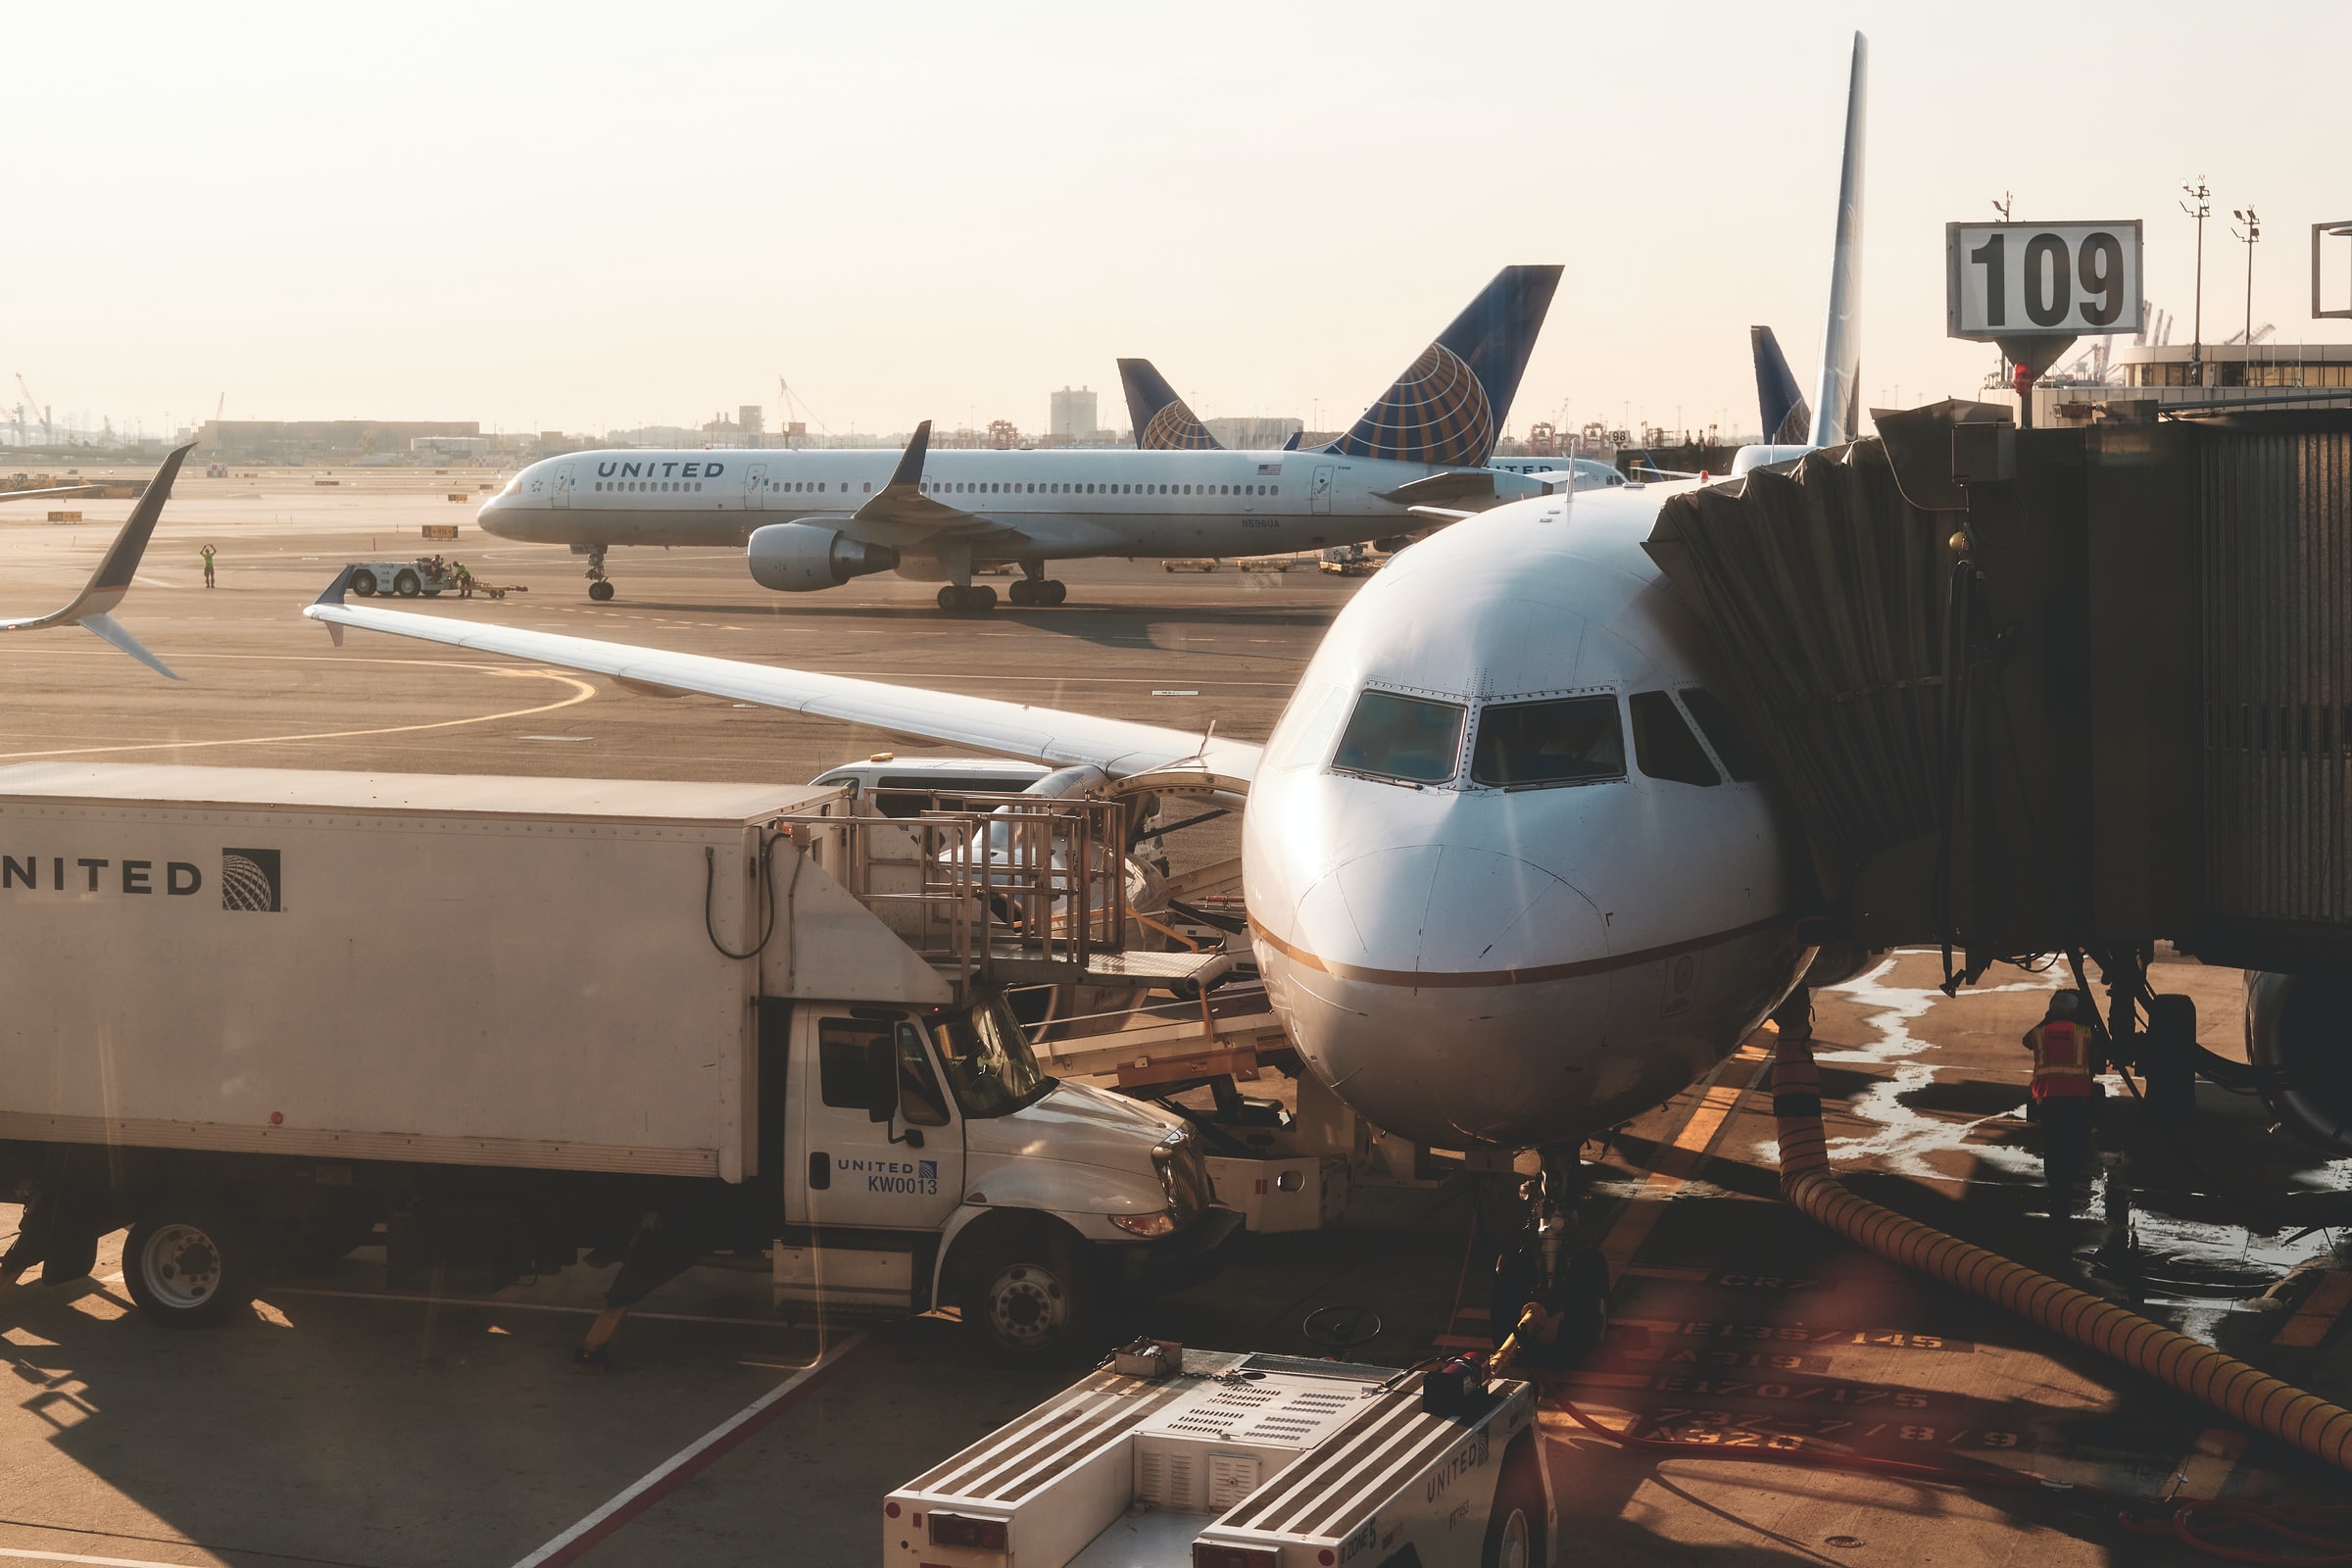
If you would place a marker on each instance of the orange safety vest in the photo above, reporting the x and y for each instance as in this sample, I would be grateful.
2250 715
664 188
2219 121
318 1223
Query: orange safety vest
2062 1057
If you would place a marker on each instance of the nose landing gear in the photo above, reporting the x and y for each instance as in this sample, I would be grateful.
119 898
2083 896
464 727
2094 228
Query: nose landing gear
599 587
1542 1268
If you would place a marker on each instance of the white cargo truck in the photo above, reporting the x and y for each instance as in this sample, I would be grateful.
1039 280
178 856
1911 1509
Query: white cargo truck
1207 1459
663 1025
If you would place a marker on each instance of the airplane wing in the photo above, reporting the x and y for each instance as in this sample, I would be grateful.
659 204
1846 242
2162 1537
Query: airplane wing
900 514
112 580
1123 749
52 492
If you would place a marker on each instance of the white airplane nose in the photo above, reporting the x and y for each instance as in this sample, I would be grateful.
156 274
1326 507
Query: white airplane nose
1443 912
1447 992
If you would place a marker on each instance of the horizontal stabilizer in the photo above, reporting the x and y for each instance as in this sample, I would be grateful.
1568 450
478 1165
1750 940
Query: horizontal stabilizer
1475 487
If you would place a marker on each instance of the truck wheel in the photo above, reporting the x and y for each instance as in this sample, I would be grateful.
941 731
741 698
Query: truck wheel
362 583
1029 1303
1515 1526
189 1264
408 585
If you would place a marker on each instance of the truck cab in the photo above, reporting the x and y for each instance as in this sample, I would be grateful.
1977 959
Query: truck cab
927 1160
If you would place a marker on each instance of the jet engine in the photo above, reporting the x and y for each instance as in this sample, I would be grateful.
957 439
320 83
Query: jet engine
2300 1027
799 557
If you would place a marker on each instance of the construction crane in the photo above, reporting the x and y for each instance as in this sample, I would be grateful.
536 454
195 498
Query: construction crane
48 429
796 411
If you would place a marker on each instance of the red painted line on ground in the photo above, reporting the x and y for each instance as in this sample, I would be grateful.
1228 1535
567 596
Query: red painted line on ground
690 1461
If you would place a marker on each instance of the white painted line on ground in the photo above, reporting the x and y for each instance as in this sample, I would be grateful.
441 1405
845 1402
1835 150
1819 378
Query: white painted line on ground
688 1462
23 1554
488 1305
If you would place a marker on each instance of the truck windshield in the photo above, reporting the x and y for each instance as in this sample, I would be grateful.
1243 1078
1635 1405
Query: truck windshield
987 1060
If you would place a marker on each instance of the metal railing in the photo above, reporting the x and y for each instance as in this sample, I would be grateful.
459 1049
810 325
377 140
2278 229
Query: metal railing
973 881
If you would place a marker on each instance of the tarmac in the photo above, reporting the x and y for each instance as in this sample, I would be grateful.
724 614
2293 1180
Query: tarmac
343 1422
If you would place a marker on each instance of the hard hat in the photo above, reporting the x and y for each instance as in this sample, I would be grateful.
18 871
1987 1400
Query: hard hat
2065 1003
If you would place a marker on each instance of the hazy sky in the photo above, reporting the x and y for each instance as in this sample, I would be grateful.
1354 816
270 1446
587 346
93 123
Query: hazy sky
586 216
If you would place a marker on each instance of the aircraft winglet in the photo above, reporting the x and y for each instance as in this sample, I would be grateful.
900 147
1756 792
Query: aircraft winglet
112 580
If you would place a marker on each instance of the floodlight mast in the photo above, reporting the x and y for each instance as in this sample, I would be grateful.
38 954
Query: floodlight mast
2203 209
2252 237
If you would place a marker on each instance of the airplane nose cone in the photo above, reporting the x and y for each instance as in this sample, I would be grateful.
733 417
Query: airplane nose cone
1438 988
491 518
1435 910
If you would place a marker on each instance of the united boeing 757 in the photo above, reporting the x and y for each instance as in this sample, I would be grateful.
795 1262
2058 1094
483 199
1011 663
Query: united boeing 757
815 519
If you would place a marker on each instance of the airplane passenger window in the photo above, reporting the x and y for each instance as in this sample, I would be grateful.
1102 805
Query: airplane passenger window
1409 739
1575 740
1723 732
1663 746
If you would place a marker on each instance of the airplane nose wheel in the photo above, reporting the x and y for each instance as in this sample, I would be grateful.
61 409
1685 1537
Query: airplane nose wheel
600 591
1544 1266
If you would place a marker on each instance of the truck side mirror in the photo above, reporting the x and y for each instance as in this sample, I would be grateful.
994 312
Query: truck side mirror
881 1080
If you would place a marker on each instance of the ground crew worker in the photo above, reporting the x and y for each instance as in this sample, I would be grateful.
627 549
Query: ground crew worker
2066 1090
208 566
465 581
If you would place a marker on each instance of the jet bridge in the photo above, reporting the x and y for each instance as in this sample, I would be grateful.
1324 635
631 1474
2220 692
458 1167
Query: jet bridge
2070 689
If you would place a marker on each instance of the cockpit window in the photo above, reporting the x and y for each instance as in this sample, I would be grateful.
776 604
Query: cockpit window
1409 739
1723 732
1663 744
1574 740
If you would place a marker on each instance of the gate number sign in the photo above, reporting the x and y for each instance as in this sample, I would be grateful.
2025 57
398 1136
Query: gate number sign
2042 279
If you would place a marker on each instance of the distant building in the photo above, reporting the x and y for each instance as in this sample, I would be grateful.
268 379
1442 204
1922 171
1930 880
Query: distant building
1073 415
751 419
1253 433
449 448
318 440
2148 378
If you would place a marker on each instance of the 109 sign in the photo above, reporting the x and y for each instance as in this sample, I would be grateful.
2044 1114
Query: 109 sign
2042 279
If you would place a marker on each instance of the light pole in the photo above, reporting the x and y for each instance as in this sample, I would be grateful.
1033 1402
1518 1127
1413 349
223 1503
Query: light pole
2252 237
2196 346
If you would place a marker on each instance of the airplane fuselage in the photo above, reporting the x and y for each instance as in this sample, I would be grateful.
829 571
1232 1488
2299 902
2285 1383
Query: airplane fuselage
1472 958
1052 504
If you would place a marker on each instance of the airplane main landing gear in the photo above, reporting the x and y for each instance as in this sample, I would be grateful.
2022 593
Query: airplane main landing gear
1033 592
977 600
600 586
1566 1285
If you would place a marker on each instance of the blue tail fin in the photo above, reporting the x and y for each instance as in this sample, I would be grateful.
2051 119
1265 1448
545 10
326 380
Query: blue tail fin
1448 406
1162 420
1786 418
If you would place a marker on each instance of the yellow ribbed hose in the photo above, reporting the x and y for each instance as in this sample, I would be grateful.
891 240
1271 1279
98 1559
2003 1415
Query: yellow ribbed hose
2238 1390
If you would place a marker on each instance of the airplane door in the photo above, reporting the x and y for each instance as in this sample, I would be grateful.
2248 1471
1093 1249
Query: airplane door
1318 491
856 1175
559 492
754 488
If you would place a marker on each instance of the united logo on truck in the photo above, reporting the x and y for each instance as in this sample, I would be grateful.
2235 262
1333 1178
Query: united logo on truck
249 880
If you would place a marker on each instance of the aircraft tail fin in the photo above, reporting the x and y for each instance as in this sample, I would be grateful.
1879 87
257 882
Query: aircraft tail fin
1787 416
1838 397
1162 420
1449 405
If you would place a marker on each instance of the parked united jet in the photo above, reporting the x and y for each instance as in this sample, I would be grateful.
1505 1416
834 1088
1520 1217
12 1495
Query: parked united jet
1509 867
813 519
89 608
